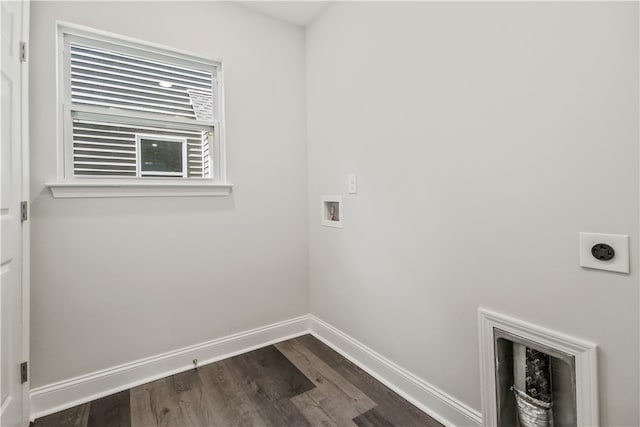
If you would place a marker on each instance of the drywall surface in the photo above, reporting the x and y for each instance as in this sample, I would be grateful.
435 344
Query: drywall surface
115 280
485 137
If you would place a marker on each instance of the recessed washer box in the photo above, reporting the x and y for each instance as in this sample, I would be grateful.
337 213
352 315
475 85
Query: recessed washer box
332 211
618 242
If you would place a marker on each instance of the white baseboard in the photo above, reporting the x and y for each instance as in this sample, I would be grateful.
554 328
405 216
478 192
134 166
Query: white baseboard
75 391
433 401
65 394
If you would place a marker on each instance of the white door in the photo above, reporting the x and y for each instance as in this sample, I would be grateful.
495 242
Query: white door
12 390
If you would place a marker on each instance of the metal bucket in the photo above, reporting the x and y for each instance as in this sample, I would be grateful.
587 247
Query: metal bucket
533 412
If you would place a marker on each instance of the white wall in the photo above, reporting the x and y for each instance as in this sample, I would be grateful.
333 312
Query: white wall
115 280
482 135
485 136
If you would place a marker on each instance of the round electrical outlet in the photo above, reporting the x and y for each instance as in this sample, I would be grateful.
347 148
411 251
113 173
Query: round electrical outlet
603 252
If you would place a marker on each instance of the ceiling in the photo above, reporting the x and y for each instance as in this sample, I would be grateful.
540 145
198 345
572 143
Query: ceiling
295 12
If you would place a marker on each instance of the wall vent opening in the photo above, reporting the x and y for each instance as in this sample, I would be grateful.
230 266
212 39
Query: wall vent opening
535 377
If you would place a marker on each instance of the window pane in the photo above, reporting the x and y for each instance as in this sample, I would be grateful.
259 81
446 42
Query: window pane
108 148
160 156
110 79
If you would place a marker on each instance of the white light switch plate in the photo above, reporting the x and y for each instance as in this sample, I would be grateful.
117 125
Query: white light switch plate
619 243
353 183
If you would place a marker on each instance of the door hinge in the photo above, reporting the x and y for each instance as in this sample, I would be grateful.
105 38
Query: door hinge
23 52
24 372
24 211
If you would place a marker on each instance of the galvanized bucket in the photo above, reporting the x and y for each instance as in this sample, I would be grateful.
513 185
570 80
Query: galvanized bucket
533 412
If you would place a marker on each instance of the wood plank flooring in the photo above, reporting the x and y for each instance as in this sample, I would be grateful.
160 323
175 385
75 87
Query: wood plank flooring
299 382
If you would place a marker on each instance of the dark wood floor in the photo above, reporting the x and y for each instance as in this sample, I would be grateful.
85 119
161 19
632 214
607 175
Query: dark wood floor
300 382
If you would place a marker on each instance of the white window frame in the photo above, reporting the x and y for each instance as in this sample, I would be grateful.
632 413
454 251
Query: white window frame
67 185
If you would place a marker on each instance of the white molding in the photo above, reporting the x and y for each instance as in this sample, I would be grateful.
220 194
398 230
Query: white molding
431 400
585 355
74 190
85 388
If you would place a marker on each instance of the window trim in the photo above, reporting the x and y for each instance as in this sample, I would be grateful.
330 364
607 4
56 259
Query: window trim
148 188
68 185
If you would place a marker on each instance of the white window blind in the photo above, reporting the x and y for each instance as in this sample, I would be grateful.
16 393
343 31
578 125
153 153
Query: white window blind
116 94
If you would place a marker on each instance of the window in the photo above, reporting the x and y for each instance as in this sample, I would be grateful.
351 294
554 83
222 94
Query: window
159 156
136 113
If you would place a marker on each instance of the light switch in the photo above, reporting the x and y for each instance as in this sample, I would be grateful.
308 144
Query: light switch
353 183
605 251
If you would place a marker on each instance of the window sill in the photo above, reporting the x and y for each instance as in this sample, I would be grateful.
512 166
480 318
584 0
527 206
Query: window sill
75 190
